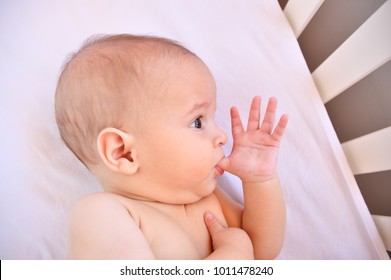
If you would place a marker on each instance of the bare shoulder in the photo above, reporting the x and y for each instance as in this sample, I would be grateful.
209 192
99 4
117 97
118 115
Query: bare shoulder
98 202
101 227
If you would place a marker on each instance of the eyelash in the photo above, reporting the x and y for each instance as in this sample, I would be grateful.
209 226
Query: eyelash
197 123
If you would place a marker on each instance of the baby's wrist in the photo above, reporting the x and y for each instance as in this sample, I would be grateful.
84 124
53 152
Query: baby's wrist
259 179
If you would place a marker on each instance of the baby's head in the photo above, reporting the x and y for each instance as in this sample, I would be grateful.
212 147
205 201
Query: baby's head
105 84
122 102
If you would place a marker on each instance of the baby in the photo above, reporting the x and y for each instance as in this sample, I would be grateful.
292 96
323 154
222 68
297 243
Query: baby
138 111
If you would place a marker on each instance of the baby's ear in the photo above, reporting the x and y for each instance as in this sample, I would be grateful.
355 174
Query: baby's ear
116 149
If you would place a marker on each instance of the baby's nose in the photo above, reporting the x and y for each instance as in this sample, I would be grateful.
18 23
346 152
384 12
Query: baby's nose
221 138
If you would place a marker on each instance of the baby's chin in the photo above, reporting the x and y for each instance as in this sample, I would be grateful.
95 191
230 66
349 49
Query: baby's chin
193 197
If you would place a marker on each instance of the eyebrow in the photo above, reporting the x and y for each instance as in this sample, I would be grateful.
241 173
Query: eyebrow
198 106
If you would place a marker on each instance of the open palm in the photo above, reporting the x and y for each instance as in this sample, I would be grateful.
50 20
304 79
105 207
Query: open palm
255 151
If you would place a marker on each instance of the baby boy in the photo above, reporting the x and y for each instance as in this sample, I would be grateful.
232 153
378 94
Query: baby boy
138 111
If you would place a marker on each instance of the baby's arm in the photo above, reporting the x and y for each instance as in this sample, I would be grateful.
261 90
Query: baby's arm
254 159
94 233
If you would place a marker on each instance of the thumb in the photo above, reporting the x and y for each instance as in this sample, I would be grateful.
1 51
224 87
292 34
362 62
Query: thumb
224 163
213 225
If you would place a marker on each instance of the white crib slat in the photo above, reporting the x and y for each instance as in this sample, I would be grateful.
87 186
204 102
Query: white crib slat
300 12
364 51
383 224
369 153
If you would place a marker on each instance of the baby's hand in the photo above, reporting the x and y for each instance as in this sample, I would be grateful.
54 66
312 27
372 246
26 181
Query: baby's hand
254 154
228 243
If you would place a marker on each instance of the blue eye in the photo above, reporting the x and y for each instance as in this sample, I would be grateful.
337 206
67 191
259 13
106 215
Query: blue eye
197 123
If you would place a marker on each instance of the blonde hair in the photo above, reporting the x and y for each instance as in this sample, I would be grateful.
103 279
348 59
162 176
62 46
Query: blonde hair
103 83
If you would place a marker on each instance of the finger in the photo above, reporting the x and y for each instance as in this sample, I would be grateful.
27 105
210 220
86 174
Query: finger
254 115
268 121
224 164
213 225
236 122
280 129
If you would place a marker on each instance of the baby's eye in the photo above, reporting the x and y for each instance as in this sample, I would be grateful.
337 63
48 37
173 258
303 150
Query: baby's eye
197 123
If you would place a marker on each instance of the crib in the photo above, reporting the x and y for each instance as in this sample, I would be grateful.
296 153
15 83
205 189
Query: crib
335 161
349 58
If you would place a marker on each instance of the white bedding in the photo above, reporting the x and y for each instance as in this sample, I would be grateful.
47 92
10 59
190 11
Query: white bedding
250 49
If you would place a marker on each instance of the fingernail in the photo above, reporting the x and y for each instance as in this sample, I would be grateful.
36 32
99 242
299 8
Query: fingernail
208 216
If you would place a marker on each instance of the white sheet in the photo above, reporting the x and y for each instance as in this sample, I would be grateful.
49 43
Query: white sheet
251 50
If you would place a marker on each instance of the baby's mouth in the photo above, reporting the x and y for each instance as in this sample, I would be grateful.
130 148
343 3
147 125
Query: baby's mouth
219 170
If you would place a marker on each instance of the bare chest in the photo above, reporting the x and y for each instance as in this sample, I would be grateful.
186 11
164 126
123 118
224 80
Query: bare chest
179 232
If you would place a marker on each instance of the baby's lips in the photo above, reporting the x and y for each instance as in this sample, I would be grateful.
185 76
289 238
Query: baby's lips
219 167
219 170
